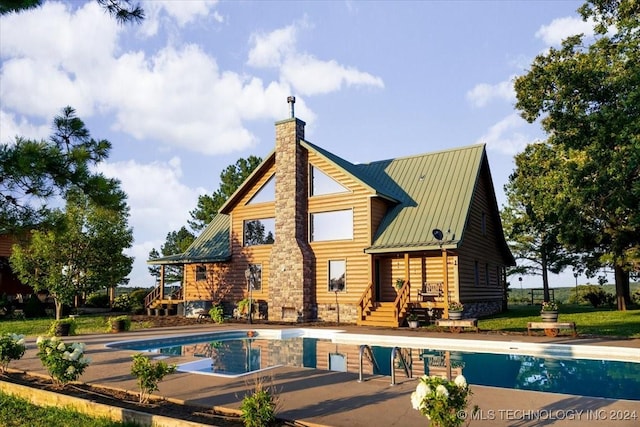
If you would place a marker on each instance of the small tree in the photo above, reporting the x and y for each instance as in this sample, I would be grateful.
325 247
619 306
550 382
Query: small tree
149 374
11 348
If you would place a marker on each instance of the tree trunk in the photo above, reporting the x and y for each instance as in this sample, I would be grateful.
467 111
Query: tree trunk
623 293
58 304
545 280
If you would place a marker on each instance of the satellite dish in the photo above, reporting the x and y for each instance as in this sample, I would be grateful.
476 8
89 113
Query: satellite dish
437 233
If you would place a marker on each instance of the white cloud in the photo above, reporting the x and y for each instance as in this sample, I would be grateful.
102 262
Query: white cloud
483 93
159 12
159 203
561 28
507 135
11 127
306 74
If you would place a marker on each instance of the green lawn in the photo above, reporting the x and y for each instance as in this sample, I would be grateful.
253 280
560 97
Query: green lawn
588 320
34 327
17 412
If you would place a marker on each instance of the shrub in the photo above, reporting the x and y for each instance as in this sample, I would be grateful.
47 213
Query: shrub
11 348
258 409
122 303
598 296
149 374
217 313
33 307
442 401
64 362
54 327
98 301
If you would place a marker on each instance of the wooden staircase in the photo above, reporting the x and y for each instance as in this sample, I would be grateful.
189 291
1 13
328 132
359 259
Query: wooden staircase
382 314
377 313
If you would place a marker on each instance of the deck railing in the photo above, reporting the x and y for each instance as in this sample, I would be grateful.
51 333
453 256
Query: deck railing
365 302
152 296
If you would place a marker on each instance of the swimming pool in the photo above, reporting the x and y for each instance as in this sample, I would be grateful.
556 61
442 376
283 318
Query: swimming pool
580 370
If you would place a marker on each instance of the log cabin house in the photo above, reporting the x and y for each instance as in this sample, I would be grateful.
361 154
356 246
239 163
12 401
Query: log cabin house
311 236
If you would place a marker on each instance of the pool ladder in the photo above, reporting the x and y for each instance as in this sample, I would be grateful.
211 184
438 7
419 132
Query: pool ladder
395 353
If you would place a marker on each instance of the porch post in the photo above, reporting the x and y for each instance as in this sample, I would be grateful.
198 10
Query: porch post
406 272
445 282
162 281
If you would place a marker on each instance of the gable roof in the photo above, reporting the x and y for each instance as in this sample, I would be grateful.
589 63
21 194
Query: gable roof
426 192
438 189
212 245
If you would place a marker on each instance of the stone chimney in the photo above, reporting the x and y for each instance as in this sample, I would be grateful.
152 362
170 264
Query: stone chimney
291 275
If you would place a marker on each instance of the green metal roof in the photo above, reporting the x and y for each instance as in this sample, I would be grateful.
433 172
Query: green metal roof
437 192
212 245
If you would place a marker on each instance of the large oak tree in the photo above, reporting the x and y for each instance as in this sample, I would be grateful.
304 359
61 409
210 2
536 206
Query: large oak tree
588 98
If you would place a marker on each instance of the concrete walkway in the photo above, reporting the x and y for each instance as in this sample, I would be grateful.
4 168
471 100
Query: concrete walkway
318 397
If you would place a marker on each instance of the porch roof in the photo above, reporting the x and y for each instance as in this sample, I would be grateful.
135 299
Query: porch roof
212 245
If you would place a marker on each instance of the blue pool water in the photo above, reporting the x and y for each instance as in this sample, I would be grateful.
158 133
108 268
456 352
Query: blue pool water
234 353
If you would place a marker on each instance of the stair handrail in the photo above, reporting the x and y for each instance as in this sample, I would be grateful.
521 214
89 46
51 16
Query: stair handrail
152 296
402 299
366 301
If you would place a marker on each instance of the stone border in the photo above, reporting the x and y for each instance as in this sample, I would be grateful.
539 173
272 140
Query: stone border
49 398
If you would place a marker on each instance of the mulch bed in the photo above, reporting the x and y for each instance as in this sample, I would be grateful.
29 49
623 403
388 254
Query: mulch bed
122 399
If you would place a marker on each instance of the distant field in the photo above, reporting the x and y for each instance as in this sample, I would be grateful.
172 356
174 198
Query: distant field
562 294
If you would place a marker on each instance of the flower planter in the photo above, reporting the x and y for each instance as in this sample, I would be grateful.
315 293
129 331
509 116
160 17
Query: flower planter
118 326
455 315
549 316
62 330
413 324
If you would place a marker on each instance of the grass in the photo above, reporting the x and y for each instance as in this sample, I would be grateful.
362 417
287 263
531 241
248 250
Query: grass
15 411
588 320
35 327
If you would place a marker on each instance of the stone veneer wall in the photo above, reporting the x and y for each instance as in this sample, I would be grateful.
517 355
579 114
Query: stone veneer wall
478 309
291 290
329 313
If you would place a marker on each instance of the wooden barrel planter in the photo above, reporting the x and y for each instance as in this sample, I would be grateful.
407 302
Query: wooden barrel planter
549 316
62 329
455 315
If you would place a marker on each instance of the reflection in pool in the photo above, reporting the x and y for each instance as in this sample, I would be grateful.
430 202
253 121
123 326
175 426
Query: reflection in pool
236 354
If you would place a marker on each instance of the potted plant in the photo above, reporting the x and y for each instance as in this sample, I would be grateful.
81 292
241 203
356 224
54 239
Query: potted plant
63 327
455 310
412 320
119 323
549 311
399 283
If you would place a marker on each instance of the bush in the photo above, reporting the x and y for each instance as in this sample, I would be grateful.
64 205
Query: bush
11 348
598 296
64 362
98 301
122 303
34 308
149 374
217 313
258 409
137 300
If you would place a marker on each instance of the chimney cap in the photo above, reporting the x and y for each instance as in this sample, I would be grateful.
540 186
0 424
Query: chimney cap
292 100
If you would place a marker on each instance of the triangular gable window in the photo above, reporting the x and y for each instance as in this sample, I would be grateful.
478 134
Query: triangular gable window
321 183
266 193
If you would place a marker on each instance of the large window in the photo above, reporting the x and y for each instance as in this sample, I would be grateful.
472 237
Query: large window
266 193
201 273
253 275
336 225
259 231
337 275
321 183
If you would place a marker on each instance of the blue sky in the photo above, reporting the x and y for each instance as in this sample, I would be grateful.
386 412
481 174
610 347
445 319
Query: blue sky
200 84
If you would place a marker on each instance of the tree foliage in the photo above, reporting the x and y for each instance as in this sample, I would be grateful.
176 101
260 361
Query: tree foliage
530 220
82 254
588 99
230 179
32 173
123 11
176 243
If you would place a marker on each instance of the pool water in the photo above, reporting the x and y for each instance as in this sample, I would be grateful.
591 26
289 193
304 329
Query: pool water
233 354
